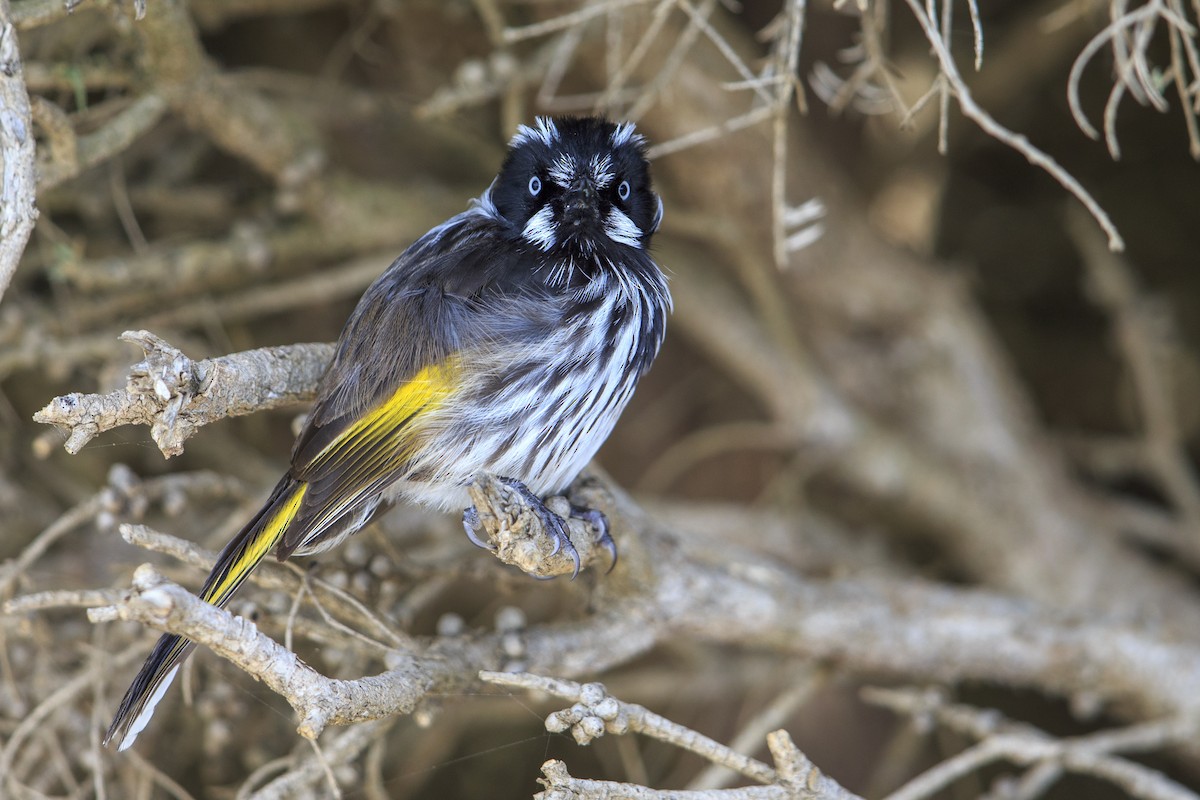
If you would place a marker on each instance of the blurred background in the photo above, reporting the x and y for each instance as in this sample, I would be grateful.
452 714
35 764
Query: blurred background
885 360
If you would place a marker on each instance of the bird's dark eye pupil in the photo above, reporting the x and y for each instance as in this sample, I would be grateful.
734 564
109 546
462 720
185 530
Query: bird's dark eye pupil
623 190
535 185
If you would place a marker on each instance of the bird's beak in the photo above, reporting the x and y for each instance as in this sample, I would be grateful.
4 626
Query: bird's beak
581 202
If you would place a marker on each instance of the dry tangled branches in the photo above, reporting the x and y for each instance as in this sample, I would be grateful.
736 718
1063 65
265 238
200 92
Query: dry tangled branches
187 200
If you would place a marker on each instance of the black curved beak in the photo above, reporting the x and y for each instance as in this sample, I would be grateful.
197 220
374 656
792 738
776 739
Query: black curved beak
581 203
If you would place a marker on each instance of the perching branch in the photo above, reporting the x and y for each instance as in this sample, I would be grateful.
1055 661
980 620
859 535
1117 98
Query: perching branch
519 537
907 631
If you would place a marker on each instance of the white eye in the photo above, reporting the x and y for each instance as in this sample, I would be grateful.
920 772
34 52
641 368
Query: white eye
623 190
535 185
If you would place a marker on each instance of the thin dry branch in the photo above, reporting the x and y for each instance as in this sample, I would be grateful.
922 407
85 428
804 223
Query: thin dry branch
176 396
311 773
808 784
594 712
123 494
1130 34
340 609
82 152
63 696
1141 345
992 128
1004 740
764 725
567 20
560 783
318 701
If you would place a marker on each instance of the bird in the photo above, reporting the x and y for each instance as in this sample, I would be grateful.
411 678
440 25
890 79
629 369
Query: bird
505 341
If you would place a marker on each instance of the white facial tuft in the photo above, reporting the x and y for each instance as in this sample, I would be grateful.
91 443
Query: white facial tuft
544 131
601 169
539 231
624 134
562 171
620 228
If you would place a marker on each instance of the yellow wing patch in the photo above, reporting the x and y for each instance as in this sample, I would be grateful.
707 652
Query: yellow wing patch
255 550
426 390
375 446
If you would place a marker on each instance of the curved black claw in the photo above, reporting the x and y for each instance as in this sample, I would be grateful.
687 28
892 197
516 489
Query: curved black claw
554 524
599 524
473 527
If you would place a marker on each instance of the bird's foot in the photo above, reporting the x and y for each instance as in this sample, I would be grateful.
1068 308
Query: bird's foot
603 536
555 525
474 529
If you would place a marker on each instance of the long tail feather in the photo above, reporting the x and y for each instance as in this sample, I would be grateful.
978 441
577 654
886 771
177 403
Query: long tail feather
235 562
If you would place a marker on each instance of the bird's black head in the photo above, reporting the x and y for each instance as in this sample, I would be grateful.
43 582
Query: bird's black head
577 185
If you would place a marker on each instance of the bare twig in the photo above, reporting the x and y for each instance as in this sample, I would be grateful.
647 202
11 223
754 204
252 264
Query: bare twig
318 701
115 137
335 603
1002 740
568 20
997 131
158 776
67 693
1133 72
560 783
762 725
595 713
1111 284
343 749
121 493
176 396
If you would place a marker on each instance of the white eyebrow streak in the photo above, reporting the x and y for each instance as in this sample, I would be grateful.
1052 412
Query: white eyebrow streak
624 134
620 228
601 167
544 131
562 171
539 231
